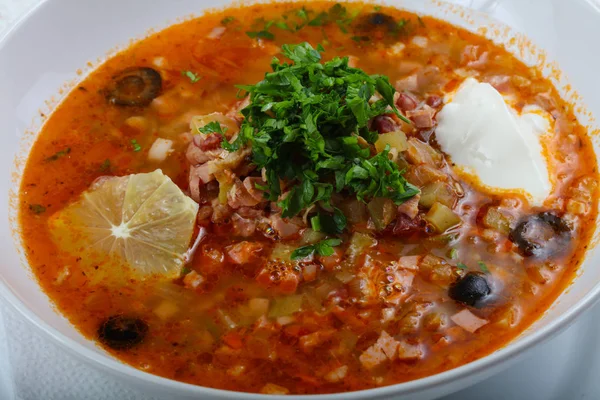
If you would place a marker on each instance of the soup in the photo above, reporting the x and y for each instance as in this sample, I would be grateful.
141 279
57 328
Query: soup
318 198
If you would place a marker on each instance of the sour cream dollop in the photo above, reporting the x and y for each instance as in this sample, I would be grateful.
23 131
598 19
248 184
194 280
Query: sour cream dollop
487 138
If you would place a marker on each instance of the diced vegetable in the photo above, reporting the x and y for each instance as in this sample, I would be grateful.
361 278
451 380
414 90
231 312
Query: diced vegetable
386 348
344 276
166 309
396 140
160 150
354 210
440 192
282 252
382 211
436 270
442 218
421 175
311 237
259 306
358 244
494 219
226 183
285 306
422 153
337 374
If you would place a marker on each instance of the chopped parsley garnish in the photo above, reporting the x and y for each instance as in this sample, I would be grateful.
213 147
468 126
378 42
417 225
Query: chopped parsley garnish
263 34
483 267
59 154
323 248
191 76
135 145
462 266
105 166
329 223
308 123
37 208
227 20
359 39
453 254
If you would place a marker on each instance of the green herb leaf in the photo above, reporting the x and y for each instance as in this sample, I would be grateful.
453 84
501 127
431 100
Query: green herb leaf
213 127
58 154
37 208
227 20
135 145
105 166
313 112
453 254
264 34
323 248
483 267
191 76
462 266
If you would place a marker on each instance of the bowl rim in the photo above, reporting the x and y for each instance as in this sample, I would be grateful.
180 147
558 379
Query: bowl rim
512 350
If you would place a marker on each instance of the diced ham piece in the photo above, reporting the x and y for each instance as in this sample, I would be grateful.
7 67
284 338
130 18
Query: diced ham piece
221 212
312 340
353 61
386 348
216 32
407 102
500 82
250 184
402 282
243 252
336 375
279 276
243 227
473 57
410 208
271 388
468 321
195 153
406 226
409 262
409 352
193 280
285 228
423 117
208 142
409 83
238 196
384 124
434 101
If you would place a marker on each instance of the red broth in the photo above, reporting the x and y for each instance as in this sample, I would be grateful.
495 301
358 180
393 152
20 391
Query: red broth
318 326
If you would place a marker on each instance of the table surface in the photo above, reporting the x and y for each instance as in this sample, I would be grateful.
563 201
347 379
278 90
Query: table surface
32 367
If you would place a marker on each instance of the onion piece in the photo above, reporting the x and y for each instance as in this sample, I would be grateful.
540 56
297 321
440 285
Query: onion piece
160 150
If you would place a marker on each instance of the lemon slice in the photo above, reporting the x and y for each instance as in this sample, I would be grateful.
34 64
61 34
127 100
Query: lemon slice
142 220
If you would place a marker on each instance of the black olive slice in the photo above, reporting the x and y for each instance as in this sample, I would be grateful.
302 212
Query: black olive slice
471 289
134 87
541 235
121 333
374 21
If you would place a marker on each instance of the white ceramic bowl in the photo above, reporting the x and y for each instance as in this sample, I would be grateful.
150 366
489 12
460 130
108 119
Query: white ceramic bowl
45 51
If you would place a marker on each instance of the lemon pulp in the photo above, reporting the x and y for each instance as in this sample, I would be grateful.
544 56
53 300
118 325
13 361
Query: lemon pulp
142 220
